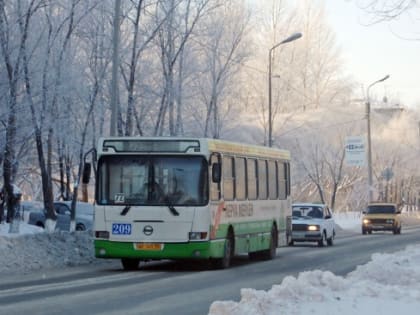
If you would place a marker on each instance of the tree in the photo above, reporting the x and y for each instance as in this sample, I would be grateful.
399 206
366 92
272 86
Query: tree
386 10
13 65
319 151
224 53
181 18
392 12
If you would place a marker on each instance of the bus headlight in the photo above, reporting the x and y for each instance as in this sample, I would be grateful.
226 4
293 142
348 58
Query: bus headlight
197 236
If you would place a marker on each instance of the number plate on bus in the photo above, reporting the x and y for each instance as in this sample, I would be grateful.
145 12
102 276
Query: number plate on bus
148 246
121 228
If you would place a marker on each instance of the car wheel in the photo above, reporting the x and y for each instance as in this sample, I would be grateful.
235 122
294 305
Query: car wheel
224 262
364 232
330 241
397 230
130 263
80 227
321 242
291 243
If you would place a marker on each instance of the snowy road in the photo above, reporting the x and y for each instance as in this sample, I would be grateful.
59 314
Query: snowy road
168 288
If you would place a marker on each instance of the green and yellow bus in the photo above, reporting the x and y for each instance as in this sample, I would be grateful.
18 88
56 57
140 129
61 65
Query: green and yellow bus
189 198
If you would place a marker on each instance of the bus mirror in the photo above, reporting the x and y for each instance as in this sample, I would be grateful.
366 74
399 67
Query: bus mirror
86 173
216 173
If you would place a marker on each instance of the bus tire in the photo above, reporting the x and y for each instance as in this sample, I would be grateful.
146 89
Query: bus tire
271 252
130 263
229 247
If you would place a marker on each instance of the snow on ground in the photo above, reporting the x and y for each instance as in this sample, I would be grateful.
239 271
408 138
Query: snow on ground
386 285
33 249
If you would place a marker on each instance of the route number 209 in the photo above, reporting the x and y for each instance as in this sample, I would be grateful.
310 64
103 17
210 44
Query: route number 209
121 228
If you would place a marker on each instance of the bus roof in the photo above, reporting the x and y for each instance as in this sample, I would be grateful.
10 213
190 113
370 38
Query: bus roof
205 145
246 149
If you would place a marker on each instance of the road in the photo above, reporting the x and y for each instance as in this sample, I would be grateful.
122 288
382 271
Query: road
173 288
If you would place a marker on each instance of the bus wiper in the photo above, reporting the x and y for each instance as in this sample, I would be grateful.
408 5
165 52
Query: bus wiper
170 206
125 210
173 210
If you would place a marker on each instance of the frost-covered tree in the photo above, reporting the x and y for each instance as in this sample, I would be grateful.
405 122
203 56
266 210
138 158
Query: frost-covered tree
223 52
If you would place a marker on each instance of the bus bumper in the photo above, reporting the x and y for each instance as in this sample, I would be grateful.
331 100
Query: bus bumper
190 250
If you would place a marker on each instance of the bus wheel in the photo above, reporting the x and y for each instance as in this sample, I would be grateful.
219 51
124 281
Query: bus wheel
271 252
224 262
130 263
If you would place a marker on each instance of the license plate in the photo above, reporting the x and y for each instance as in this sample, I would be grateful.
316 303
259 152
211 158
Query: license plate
121 228
148 246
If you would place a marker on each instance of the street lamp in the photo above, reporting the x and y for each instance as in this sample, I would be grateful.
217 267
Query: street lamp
369 147
115 65
270 118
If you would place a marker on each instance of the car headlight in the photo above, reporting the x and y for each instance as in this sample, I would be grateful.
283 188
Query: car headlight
313 227
366 221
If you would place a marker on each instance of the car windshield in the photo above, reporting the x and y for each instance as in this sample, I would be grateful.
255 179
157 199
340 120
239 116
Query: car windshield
381 209
84 208
152 180
307 211
27 206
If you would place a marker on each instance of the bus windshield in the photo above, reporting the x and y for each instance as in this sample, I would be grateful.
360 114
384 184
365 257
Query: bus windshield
152 180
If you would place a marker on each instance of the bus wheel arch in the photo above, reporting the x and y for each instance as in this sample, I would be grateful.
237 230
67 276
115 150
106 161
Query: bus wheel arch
228 251
270 253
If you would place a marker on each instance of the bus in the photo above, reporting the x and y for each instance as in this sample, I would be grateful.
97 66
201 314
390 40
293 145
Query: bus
189 199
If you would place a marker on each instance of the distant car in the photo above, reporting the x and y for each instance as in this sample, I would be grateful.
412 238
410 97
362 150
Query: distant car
312 222
84 216
26 207
381 217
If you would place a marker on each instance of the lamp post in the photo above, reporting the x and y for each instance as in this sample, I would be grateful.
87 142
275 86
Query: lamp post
115 65
369 147
270 114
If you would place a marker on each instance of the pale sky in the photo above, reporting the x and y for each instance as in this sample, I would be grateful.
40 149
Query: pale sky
371 52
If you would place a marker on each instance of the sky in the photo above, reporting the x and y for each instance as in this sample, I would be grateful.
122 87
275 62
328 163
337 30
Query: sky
387 285
372 52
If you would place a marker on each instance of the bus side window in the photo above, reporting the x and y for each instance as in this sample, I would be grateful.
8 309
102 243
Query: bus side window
228 178
282 179
272 180
262 179
240 184
215 192
251 178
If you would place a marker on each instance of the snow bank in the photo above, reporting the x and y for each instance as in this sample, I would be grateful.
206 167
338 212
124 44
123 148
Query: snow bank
386 285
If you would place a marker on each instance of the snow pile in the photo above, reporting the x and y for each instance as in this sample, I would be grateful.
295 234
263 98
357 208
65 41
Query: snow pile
33 249
386 285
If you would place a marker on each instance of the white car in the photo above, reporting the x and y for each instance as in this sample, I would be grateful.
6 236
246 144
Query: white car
312 222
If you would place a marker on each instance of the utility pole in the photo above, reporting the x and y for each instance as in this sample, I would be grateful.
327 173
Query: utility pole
369 140
115 65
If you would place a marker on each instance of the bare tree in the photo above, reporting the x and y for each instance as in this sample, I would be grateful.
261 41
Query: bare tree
386 10
182 17
13 64
141 36
224 55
